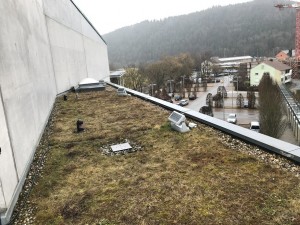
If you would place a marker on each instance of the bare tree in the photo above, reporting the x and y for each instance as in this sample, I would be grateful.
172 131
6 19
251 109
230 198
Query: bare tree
251 99
240 101
271 110
175 68
209 100
218 99
133 79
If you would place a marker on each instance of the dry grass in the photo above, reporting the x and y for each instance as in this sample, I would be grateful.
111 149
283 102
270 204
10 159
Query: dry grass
190 178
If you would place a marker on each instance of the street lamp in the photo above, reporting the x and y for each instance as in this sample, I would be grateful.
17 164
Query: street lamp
170 81
231 77
182 87
152 87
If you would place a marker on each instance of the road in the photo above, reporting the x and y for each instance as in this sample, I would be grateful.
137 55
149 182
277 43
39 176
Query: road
244 116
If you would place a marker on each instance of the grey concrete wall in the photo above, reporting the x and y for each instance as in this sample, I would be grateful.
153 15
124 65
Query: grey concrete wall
27 79
46 47
68 55
78 51
8 175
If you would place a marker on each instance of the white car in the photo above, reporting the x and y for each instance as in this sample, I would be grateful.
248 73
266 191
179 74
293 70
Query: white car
254 126
183 102
232 118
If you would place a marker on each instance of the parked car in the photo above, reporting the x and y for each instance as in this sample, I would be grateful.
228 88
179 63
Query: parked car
177 97
232 118
192 97
183 102
254 125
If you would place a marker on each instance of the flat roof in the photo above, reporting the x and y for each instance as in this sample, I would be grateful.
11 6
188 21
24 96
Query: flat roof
235 58
118 73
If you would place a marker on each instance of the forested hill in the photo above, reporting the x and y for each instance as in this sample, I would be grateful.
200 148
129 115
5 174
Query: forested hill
255 28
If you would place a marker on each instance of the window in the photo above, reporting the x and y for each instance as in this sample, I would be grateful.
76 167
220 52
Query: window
256 74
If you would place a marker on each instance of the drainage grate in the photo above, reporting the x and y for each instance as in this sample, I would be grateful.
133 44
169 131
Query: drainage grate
121 147
124 148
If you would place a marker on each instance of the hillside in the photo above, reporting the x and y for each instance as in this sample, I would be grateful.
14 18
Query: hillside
255 28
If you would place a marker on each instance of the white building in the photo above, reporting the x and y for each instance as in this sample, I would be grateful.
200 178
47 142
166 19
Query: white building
279 72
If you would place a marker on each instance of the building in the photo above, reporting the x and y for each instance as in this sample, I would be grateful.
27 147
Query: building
231 65
281 73
46 48
285 55
116 77
234 60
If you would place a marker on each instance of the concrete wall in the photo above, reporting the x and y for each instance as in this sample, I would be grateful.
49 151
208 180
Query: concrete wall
8 175
46 47
78 51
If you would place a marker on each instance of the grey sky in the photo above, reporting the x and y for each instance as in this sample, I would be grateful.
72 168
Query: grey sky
110 15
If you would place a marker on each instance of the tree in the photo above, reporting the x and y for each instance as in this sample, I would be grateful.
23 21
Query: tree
209 100
203 67
133 79
240 101
218 99
251 98
176 68
242 79
271 113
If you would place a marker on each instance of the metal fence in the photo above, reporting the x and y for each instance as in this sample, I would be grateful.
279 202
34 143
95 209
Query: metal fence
293 110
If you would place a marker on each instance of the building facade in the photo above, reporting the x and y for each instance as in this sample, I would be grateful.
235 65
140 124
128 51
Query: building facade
46 47
279 72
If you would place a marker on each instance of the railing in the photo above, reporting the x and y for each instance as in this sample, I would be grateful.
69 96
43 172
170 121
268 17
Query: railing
293 110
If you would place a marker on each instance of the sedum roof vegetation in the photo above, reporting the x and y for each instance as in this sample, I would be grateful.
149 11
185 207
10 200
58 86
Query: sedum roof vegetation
200 177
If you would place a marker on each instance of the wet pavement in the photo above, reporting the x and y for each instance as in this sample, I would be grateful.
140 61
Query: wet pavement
244 115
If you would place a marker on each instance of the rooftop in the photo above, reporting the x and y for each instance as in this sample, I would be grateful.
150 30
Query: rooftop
238 58
277 65
200 177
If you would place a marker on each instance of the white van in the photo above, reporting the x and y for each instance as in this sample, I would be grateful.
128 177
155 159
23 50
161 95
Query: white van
254 126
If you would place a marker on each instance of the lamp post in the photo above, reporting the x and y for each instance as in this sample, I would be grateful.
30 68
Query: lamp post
182 87
223 107
170 81
232 91
223 98
152 87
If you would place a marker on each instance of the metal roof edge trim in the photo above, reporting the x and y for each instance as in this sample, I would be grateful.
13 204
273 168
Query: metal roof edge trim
268 143
88 21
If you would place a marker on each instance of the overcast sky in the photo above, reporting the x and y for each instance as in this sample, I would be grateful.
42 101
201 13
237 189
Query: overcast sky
107 16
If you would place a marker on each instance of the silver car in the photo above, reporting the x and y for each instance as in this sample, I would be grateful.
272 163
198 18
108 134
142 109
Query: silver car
183 102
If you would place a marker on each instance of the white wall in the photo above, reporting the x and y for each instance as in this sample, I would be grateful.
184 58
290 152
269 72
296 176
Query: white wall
46 47
78 51
26 75
68 55
8 176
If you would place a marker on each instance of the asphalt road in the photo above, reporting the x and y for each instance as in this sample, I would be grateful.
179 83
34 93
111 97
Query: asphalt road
244 116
